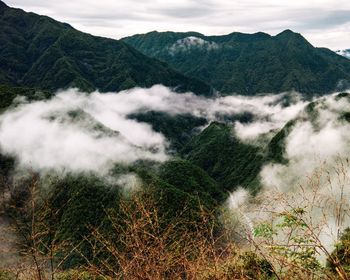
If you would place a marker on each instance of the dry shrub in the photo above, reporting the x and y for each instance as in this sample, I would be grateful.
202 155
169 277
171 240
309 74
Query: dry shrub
145 246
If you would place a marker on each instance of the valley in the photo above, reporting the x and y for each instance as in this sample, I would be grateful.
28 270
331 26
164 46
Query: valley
171 155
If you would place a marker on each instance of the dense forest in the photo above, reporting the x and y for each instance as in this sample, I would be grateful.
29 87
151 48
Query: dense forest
249 63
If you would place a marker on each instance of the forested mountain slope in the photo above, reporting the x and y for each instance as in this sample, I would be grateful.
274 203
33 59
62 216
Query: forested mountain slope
249 63
37 51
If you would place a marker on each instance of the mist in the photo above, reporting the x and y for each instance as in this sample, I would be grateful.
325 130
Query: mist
80 132
77 132
91 132
314 177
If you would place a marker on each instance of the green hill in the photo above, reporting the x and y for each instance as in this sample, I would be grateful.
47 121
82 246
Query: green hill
37 51
225 158
249 63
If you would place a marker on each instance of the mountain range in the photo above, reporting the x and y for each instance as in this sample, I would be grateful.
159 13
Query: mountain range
212 142
249 64
37 51
39 55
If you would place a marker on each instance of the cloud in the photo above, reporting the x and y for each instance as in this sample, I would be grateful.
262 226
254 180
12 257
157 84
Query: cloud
77 132
191 42
81 132
310 143
345 53
185 11
92 132
316 175
130 183
270 116
324 22
328 19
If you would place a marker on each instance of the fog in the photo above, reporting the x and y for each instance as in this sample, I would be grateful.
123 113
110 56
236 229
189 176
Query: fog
92 132
315 176
76 131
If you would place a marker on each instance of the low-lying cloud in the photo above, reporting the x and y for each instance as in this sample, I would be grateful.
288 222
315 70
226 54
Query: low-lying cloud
315 176
91 132
78 132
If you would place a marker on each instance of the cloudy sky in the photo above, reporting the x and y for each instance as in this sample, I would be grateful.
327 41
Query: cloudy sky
325 23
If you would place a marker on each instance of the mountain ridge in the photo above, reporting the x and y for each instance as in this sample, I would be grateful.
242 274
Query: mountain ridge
250 64
37 51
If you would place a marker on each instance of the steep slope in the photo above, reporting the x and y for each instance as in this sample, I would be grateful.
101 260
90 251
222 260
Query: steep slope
177 129
37 51
225 158
249 63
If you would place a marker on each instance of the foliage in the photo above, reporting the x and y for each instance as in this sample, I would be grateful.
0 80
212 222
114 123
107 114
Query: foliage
342 252
142 247
37 51
78 275
225 158
276 146
193 180
178 129
9 94
290 242
6 275
251 63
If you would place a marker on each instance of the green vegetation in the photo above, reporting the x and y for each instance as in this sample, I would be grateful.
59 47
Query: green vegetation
178 129
193 180
8 94
342 252
276 147
225 158
250 63
171 224
37 51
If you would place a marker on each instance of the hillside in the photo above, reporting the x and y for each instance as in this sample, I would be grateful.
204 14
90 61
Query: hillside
249 64
37 51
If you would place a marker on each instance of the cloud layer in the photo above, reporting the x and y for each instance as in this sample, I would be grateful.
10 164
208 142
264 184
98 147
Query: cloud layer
77 131
92 132
316 176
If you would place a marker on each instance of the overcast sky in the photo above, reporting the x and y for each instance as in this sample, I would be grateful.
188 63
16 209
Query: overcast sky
325 23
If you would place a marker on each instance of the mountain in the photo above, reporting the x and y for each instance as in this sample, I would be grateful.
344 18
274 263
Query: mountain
37 51
225 158
345 53
249 63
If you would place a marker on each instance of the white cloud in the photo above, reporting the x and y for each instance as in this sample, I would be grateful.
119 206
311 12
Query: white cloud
191 42
66 133
92 132
238 198
316 176
345 53
310 143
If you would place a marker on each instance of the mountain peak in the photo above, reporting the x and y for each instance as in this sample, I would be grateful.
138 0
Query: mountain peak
289 34
62 57
287 31
240 64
